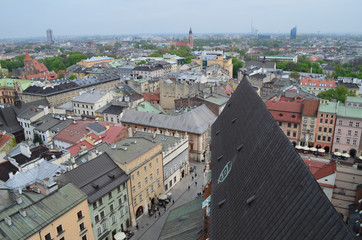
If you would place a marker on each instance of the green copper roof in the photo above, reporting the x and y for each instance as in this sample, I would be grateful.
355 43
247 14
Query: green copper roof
217 99
167 141
354 99
330 107
148 107
349 112
40 209
7 82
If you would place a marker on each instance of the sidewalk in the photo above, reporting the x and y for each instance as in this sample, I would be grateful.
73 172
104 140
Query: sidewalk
151 227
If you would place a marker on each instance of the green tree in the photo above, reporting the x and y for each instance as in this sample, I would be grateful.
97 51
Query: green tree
141 62
294 75
156 54
72 77
60 75
236 65
188 59
37 139
338 93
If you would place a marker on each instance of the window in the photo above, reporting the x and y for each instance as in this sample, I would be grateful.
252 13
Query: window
139 185
349 132
100 202
288 133
104 226
152 190
289 125
141 199
304 127
356 133
132 176
348 141
326 121
84 237
339 131
340 122
99 230
354 142
120 201
109 195
121 212
145 168
174 179
125 198
329 139
321 120
102 214
147 192
325 129
294 134
151 176
48 237
312 121
324 138
338 139
81 226
158 171
320 129
150 165
330 130
111 208
133 188
350 124
146 180
138 173
94 205
295 125
113 219
357 124
305 120
331 121
59 229
118 189
156 160
80 215
96 218
135 201
280 123
170 183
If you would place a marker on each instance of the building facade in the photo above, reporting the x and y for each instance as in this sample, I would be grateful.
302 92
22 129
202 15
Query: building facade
309 118
326 121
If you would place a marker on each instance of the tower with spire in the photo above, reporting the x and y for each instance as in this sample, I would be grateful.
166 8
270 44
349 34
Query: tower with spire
191 40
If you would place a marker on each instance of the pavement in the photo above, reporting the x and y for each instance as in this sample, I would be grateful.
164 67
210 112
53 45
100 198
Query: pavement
151 227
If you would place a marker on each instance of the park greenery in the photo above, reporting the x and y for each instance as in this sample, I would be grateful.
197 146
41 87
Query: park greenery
347 70
17 62
339 93
303 65
237 64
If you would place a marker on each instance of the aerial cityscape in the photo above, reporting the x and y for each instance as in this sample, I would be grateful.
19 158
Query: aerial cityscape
134 121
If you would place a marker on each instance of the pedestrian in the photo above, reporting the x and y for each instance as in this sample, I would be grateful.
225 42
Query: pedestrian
189 187
195 183
164 206
159 213
137 227
173 201
155 215
195 175
192 178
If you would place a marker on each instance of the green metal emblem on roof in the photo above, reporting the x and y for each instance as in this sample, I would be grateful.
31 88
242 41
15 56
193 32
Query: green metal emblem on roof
225 172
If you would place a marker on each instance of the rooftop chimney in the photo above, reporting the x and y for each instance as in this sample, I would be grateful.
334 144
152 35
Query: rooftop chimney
19 200
22 212
8 220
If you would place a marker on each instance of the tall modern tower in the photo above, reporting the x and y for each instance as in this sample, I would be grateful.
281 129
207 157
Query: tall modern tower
293 33
191 39
50 37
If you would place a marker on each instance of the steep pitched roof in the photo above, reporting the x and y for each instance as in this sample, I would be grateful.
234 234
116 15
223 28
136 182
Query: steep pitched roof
97 177
310 107
261 188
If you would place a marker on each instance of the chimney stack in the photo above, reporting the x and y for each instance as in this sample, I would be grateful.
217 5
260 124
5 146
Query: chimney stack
8 220
22 212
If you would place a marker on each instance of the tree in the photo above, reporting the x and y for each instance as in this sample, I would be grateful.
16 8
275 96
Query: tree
188 59
60 75
294 75
37 139
141 62
339 94
237 64
72 77
155 55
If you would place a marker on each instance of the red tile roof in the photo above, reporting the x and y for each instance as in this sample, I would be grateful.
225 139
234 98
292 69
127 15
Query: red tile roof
308 81
285 111
151 96
27 57
43 75
310 107
76 147
320 169
4 138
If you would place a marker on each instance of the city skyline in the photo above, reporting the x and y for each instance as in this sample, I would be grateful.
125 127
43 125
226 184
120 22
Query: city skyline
83 18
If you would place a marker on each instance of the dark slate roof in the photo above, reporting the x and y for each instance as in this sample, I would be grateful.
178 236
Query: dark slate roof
50 90
5 168
184 222
114 109
97 177
96 127
36 152
8 120
261 188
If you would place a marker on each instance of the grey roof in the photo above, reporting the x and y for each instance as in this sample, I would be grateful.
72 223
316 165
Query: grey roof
113 109
8 121
97 177
46 122
97 127
196 121
67 106
184 222
265 64
89 97
36 174
167 141
61 125
261 188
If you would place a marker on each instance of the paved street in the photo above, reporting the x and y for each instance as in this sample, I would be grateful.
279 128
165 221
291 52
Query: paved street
151 227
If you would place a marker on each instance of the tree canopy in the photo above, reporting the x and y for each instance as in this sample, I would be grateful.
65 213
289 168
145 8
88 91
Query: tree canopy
339 93
303 65
236 65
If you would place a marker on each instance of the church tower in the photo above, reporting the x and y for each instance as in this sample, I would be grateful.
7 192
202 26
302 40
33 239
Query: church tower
191 40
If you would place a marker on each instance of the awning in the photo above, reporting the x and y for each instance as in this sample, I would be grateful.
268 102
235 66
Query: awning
120 236
360 157
306 148
162 197
298 147
321 150
346 155
313 149
337 154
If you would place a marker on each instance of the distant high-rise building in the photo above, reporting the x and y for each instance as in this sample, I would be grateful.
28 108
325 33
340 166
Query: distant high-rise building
50 37
191 39
293 33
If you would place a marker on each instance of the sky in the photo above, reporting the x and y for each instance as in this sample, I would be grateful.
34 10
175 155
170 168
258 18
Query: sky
31 18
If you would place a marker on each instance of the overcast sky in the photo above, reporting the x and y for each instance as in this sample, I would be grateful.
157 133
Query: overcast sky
31 18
